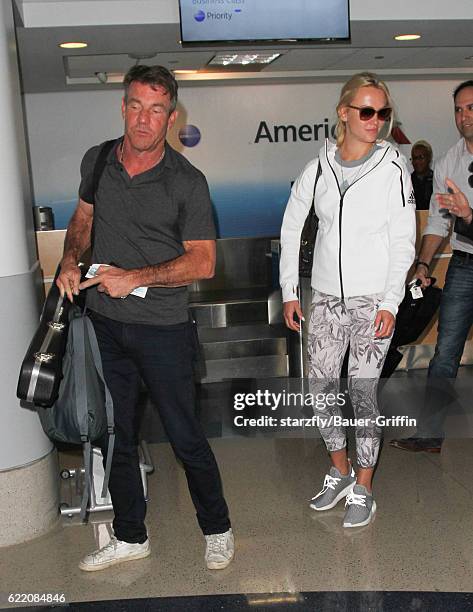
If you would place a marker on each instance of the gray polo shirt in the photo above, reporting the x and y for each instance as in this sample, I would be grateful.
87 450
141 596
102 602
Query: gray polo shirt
453 165
142 221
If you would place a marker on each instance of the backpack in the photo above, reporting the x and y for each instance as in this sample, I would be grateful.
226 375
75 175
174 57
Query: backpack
309 235
83 411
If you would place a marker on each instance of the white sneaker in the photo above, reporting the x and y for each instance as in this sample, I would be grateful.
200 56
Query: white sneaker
220 549
114 552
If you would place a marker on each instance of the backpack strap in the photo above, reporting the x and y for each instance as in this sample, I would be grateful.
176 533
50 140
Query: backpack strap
82 328
87 454
317 176
100 163
99 167
80 391
94 347
80 380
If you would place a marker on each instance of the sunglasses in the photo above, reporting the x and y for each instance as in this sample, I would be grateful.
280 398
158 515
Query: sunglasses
367 112
470 178
418 157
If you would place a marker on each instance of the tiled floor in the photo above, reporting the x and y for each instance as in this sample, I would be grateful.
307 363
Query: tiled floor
421 539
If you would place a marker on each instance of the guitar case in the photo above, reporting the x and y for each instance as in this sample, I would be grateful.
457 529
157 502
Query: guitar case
41 369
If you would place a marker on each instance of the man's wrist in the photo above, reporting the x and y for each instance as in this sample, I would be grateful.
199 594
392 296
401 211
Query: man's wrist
69 261
468 218
424 264
134 278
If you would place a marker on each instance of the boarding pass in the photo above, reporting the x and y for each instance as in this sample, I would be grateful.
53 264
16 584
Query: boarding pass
92 271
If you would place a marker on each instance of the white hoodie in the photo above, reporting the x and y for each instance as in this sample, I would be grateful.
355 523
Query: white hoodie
366 238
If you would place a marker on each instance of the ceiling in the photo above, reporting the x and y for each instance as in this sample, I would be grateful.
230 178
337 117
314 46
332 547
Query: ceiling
116 42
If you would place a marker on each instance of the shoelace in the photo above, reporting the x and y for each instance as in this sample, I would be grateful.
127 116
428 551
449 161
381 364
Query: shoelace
216 542
329 483
112 545
356 499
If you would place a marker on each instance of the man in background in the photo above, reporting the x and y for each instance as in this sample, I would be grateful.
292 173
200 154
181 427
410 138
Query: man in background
422 176
456 307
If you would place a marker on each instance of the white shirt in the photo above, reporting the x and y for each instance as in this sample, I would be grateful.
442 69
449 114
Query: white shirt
453 165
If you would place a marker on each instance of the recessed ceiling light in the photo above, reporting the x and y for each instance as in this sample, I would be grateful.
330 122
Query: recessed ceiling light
73 45
183 71
407 37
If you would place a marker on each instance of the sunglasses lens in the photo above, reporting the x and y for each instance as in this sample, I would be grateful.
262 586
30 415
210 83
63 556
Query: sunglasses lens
470 167
367 113
470 180
384 114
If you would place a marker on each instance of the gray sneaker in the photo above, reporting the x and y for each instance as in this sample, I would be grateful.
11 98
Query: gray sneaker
335 488
361 507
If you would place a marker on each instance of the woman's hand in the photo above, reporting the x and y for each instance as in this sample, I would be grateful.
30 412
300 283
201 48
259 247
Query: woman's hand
455 202
289 310
384 324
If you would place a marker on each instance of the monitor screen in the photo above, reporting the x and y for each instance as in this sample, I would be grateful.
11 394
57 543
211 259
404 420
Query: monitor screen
220 21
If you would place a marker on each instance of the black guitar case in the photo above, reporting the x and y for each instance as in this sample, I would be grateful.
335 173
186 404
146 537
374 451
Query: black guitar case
41 369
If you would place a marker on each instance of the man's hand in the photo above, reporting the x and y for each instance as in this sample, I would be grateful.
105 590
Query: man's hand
384 324
69 279
76 242
289 310
422 273
114 282
455 202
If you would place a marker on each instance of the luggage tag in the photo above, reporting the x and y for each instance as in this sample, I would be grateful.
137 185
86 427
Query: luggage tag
92 271
415 289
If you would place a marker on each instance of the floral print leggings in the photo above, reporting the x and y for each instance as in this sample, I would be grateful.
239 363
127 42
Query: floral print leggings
335 323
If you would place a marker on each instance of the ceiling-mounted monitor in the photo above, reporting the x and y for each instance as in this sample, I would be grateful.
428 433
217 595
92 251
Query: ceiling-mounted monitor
265 21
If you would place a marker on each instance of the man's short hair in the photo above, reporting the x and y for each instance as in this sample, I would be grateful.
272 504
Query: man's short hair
463 85
157 76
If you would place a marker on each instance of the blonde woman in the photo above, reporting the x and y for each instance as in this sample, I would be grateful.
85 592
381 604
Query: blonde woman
364 249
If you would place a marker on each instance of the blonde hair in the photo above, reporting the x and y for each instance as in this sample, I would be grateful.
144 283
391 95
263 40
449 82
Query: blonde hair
349 91
423 144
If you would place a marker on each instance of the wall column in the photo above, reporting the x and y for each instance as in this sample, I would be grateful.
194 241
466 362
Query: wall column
28 464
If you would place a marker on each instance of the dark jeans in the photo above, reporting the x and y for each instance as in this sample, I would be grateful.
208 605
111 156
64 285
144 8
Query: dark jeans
455 320
162 356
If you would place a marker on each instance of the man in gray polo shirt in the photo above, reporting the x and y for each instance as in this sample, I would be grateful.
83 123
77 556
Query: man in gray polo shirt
153 228
456 307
